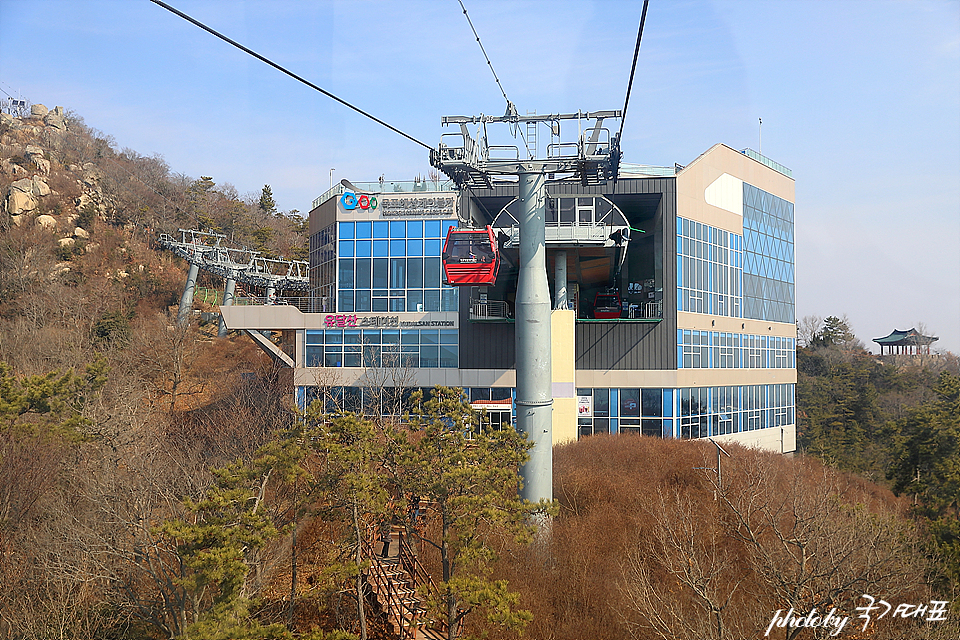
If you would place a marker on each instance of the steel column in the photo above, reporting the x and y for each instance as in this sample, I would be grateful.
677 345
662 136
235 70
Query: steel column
227 301
560 279
186 300
534 374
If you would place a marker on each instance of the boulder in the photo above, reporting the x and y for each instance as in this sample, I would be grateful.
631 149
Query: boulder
24 185
19 202
67 242
56 120
91 174
16 220
93 246
40 187
81 233
47 222
38 111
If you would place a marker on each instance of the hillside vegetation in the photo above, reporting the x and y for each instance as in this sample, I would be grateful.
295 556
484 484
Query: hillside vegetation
156 483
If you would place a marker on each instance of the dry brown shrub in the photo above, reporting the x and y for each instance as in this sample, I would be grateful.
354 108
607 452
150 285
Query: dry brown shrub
648 546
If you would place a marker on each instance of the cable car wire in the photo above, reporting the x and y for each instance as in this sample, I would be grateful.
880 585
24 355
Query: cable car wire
636 53
489 64
287 71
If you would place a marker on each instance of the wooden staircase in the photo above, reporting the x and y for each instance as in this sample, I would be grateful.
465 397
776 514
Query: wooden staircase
398 583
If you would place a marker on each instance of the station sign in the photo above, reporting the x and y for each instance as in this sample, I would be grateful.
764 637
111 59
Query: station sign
418 206
374 321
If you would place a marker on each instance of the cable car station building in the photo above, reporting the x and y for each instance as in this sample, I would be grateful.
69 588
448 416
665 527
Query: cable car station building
672 295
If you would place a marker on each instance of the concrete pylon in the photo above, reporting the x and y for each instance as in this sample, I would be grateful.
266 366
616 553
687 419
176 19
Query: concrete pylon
186 300
534 373
227 301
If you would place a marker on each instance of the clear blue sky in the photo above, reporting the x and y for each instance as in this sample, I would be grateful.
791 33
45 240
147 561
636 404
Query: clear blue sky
860 99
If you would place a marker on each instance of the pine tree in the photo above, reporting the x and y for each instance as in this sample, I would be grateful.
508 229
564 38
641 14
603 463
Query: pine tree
471 479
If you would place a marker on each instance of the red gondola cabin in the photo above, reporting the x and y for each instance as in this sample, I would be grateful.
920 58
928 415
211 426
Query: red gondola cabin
470 257
606 306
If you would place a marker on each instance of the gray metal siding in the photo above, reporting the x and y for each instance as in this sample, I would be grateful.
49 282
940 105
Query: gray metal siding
640 346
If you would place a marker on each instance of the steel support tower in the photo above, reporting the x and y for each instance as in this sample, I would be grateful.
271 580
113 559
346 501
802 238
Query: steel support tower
471 163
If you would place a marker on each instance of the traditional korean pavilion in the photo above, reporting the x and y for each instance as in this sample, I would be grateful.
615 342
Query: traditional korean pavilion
905 343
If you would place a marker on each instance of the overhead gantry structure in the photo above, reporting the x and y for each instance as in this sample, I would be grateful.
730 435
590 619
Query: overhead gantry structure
471 162
205 250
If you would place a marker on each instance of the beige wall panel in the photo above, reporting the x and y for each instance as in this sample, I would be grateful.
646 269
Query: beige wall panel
730 377
693 180
704 322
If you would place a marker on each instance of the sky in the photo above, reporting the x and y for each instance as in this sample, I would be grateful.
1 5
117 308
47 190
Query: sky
861 100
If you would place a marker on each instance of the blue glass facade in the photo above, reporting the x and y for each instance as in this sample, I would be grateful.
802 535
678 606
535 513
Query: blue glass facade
768 268
392 266
723 350
749 276
709 269
408 348
690 412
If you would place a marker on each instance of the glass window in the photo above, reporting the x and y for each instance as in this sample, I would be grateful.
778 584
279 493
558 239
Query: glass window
481 394
381 268
414 247
362 276
601 402
448 336
448 356
398 229
398 247
380 248
415 273
314 337
431 276
351 357
334 337
351 336
429 356
346 274
346 230
431 229
398 273
445 227
363 248
429 336
346 248
431 300
314 355
601 425
414 228
381 229
363 229
391 336
432 247
652 402
630 402
414 300
652 428
345 301
363 304
451 298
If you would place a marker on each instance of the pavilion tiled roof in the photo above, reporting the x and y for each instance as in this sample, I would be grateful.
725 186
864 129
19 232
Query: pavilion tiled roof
911 337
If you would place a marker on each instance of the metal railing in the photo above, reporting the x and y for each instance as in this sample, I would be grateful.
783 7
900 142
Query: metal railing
566 232
488 309
776 166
